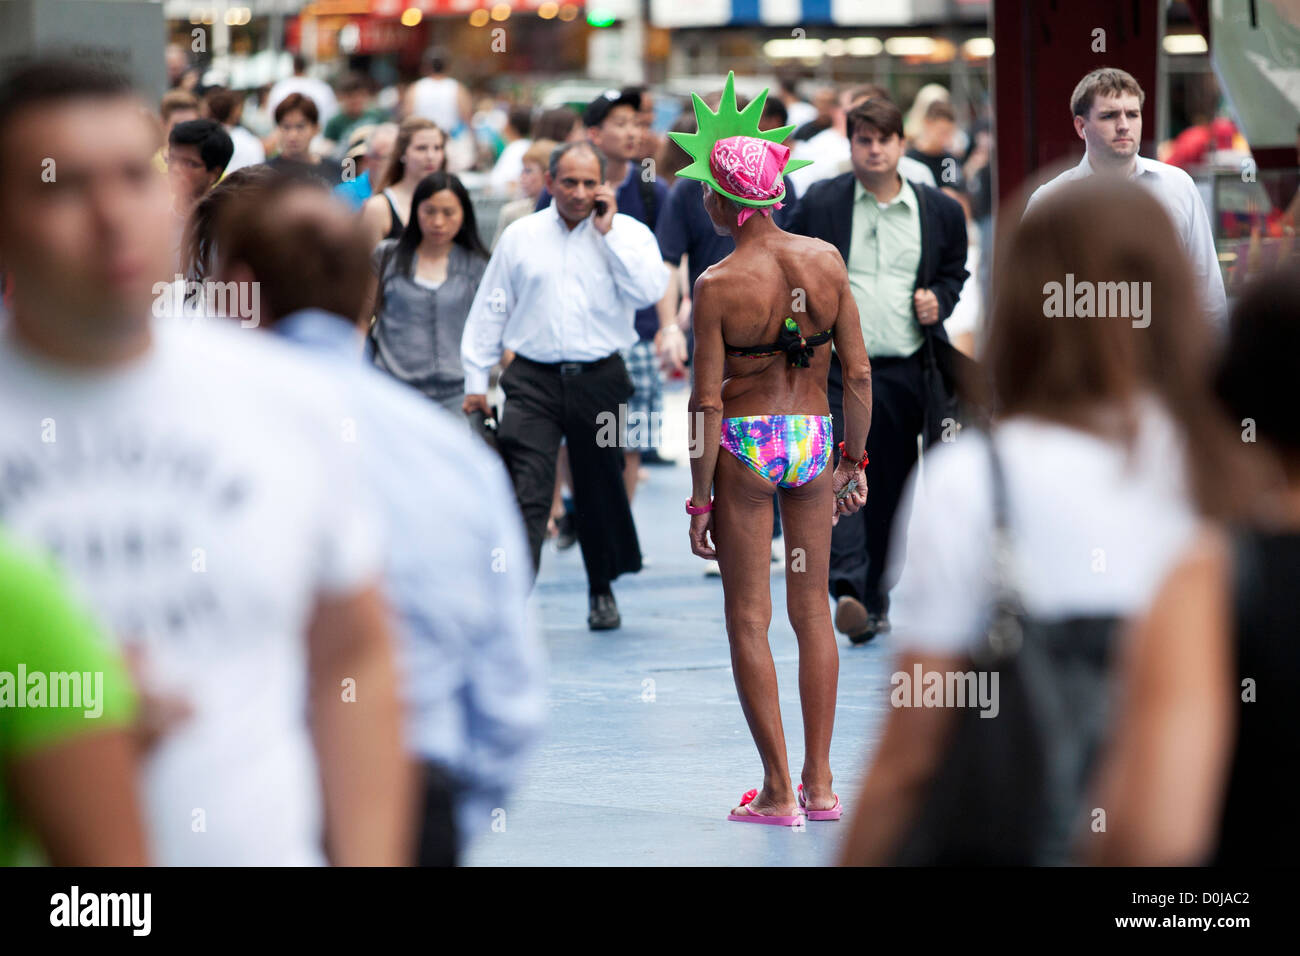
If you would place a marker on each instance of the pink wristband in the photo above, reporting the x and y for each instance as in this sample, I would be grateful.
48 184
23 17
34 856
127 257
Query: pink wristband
692 510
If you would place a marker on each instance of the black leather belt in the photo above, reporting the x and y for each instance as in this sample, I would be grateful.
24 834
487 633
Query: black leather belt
569 368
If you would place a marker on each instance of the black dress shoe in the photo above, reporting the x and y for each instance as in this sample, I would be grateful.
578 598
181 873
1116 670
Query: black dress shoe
876 624
604 613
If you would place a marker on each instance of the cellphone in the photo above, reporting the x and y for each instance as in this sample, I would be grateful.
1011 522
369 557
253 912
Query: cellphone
602 207
847 490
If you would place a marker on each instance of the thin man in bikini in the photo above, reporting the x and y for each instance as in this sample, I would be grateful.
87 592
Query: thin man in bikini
764 317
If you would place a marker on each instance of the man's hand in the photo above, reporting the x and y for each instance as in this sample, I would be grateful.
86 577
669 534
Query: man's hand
475 403
845 472
701 535
926 304
670 345
604 193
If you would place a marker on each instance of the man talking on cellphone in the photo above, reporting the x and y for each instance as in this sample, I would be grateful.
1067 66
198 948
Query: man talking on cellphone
560 292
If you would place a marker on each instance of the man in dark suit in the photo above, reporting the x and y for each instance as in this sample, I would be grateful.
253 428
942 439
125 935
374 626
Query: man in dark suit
905 247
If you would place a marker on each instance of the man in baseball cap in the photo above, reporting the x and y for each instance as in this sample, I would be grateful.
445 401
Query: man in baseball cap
599 108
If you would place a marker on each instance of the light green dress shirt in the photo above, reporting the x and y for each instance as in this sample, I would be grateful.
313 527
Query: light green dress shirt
884 254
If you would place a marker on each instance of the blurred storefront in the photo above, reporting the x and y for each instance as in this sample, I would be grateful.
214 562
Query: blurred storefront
251 43
899 44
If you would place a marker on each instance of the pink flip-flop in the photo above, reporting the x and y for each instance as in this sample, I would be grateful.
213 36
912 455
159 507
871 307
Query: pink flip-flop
753 816
832 814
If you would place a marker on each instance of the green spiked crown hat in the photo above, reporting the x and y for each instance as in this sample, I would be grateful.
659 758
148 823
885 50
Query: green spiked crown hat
724 124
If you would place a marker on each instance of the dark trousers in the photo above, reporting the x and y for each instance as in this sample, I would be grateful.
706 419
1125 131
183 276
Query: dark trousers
860 542
544 404
438 839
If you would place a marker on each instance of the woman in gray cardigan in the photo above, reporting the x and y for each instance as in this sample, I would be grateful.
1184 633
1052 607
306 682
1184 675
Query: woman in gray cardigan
426 281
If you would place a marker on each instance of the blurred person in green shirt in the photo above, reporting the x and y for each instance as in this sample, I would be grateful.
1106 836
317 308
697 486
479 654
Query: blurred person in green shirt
67 757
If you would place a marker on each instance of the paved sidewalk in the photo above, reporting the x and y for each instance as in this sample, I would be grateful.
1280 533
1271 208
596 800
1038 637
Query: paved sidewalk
647 748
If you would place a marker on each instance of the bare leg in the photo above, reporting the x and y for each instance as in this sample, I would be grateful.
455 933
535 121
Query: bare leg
743 534
806 520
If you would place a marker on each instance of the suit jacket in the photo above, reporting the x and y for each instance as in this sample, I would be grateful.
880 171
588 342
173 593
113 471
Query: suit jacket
826 212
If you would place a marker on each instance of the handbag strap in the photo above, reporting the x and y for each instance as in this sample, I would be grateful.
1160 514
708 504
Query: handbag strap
1006 633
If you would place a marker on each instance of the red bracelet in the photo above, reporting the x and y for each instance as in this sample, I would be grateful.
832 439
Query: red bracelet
692 510
860 464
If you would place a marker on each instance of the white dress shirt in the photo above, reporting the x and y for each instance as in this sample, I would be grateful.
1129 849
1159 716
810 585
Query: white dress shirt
1177 193
552 294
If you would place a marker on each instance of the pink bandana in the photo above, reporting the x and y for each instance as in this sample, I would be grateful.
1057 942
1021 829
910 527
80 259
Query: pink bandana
750 168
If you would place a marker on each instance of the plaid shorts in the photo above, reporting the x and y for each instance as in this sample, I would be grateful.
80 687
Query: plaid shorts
646 406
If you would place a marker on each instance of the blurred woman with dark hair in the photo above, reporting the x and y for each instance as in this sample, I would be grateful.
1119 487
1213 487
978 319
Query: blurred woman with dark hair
198 248
426 281
1075 503
1207 725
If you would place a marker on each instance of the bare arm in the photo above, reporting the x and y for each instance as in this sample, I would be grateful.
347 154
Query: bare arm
910 749
79 797
376 219
1162 783
367 316
706 392
852 352
670 341
672 296
367 777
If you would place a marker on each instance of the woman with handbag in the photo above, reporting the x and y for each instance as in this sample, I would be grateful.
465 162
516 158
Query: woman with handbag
426 281
1032 544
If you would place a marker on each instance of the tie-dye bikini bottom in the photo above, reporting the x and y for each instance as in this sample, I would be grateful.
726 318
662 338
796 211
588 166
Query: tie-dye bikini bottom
788 450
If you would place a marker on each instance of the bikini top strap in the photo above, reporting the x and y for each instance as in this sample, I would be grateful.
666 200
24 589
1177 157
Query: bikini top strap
797 347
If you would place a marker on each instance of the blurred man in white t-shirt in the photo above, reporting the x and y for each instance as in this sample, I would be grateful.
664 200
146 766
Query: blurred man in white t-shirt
194 482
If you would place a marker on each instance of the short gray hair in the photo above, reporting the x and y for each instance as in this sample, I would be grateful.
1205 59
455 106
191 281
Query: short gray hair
726 202
558 153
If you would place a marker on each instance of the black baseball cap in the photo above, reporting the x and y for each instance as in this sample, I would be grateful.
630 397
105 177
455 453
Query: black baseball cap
599 108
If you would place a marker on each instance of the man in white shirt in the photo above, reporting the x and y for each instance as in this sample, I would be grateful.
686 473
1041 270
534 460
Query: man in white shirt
1107 107
193 483
504 178
560 293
